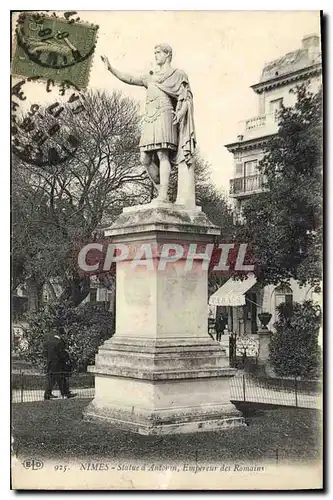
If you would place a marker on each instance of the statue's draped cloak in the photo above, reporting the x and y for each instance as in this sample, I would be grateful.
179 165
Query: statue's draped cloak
176 85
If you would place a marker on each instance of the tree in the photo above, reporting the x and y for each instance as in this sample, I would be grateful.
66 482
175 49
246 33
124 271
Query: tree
284 223
86 328
294 350
58 205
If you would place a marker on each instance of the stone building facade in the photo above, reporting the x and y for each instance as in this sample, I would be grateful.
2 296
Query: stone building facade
278 79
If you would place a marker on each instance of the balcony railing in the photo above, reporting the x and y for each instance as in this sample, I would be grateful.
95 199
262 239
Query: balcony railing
257 121
261 121
247 185
258 126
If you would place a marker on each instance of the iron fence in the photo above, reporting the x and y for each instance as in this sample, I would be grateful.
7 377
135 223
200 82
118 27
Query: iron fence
291 392
26 387
243 351
244 388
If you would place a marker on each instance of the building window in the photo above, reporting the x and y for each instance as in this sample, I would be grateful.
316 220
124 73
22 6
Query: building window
93 295
250 168
275 106
239 169
283 295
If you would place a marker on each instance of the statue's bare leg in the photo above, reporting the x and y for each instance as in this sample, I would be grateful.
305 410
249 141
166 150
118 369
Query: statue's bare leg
151 168
165 169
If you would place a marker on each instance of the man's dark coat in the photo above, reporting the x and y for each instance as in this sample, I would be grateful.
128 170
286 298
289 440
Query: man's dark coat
57 358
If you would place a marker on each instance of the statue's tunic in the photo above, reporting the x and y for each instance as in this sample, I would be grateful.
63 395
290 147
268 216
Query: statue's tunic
165 94
158 131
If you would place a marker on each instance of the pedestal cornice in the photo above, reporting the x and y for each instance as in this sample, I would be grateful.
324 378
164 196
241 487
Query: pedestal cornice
168 219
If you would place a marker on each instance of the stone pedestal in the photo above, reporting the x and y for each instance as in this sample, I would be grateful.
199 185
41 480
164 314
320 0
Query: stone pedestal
161 373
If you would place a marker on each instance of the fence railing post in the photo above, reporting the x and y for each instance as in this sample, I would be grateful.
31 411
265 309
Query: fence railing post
296 402
244 394
244 359
21 385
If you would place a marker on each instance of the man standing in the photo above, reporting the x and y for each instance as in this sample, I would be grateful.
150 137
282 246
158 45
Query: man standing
221 323
57 365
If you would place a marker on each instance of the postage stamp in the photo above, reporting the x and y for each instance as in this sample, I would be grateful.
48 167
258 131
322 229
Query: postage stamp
54 47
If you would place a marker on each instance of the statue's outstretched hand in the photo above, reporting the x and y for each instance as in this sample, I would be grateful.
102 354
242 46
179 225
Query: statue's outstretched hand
106 62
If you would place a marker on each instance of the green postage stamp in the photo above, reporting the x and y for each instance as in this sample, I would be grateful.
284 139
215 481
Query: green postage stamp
54 48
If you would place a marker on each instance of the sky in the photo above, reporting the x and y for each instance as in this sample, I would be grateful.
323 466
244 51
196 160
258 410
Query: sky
223 53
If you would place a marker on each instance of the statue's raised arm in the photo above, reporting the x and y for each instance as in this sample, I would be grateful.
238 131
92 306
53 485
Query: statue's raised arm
124 77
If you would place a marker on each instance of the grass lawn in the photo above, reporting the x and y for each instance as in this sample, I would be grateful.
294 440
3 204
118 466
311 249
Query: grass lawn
54 429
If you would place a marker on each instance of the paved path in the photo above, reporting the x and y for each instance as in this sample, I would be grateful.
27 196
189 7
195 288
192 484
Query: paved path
253 394
256 393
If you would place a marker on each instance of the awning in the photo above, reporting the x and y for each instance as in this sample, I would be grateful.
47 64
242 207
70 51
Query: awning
232 292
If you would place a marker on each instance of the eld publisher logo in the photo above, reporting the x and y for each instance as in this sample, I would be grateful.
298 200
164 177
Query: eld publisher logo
33 464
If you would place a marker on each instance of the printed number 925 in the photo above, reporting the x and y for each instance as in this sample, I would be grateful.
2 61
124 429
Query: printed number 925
61 468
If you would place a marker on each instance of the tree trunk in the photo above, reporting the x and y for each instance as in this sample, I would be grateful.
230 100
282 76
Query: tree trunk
51 290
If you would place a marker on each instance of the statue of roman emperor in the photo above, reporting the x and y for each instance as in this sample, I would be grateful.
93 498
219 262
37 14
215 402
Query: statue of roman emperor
168 134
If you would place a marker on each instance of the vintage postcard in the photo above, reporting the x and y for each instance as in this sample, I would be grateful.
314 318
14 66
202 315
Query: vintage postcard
166 250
